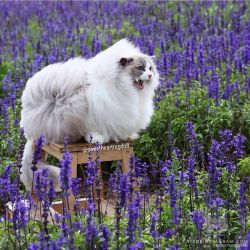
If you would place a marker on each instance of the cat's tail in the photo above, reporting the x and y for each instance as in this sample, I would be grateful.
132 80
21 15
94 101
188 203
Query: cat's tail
27 173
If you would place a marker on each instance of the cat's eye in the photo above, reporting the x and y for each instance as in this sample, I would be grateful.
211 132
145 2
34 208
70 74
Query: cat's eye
140 68
150 68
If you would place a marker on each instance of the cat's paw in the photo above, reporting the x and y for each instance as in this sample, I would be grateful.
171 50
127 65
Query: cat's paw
94 137
134 136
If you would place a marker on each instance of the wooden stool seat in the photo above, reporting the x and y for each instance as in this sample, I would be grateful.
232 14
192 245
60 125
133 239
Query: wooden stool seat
80 155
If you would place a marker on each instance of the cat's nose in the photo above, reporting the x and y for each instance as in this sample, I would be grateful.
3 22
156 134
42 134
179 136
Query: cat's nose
149 76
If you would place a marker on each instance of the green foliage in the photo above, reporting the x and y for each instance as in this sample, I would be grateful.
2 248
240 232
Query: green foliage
34 29
5 68
244 170
244 167
128 28
193 105
10 141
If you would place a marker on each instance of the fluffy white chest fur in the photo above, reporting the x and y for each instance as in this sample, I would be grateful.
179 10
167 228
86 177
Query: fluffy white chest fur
107 98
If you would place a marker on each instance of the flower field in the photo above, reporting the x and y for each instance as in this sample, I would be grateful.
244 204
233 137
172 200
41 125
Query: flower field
191 165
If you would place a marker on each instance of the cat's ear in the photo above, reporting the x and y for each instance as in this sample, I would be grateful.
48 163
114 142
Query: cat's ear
125 61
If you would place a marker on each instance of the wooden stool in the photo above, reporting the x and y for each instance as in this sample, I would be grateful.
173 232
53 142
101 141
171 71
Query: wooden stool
80 155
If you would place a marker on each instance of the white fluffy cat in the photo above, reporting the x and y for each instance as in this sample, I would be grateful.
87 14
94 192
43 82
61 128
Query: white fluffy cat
109 97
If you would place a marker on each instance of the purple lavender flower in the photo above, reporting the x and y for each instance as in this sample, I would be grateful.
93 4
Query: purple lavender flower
22 208
137 246
228 91
226 137
91 229
217 203
230 167
238 143
41 183
163 172
38 151
198 219
174 247
133 216
151 47
91 172
172 190
168 233
183 176
65 171
153 229
213 172
243 204
195 149
75 186
246 244
20 219
51 192
5 183
141 173
45 192
214 88
104 237
124 189
65 142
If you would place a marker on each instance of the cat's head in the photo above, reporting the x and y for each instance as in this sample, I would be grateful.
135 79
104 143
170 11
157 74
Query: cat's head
141 68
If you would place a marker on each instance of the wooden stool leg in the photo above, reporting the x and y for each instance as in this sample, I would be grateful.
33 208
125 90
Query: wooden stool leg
73 175
126 154
44 156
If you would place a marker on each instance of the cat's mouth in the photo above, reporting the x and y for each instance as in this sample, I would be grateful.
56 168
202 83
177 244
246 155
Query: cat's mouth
139 84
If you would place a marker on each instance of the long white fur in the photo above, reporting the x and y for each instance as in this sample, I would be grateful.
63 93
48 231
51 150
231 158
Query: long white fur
82 97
